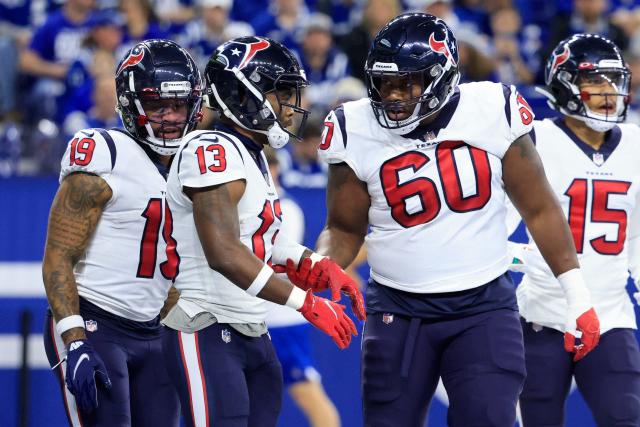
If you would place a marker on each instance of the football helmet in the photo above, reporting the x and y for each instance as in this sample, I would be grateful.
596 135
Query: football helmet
156 70
241 72
416 49
588 59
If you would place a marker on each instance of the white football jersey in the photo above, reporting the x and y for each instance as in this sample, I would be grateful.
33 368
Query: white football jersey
599 193
128 265
208 158
437 201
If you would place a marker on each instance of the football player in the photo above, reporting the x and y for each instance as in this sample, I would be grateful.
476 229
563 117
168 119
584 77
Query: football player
421 169
226 224
591 160
110 258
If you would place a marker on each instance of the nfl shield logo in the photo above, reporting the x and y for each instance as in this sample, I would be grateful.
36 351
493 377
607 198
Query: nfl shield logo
226 336
598 159
91 325
387 318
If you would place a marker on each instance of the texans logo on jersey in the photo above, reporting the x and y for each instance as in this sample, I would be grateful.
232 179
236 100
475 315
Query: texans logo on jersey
135 56
442 47
238 54
558 60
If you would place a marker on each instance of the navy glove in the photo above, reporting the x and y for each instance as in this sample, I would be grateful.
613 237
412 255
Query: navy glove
83 365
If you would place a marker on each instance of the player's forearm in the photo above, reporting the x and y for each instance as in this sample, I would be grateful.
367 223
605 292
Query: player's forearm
340 246
551 233
62 292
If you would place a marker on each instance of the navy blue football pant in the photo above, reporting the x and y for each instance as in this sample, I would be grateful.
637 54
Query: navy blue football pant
224 378
608 378
480 359
141 394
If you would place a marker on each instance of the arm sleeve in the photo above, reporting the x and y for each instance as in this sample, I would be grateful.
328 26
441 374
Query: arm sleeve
520 114
210 160
634 241
333 147
91 151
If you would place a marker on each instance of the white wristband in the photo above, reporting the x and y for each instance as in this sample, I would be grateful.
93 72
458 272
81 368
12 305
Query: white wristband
315 257
260 281
69 322
574 287
296 298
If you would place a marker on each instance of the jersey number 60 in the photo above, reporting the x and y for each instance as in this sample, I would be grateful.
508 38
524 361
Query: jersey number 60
398 193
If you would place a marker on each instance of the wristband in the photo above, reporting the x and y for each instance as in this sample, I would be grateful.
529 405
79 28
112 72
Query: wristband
296 298
69 322
260 281
574 287
315 257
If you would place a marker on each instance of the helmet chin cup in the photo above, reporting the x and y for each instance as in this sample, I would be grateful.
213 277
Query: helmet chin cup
163 151
597 125
277 136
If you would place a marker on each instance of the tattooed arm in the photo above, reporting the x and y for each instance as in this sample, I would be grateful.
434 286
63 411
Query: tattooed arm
74 215
530 192
348 204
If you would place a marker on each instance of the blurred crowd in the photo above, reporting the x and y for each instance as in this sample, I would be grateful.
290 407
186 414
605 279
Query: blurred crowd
58 57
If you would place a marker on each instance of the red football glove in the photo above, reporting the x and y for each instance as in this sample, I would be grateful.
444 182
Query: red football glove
326 274
589 325
330 318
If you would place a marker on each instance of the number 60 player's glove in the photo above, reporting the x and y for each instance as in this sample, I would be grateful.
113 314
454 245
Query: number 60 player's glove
326 274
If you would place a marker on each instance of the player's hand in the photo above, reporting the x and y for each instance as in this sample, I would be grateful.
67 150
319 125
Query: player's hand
330 318
326 274
83 366
589 326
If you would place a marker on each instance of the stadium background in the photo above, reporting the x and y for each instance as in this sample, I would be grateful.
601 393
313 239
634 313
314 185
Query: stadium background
56 76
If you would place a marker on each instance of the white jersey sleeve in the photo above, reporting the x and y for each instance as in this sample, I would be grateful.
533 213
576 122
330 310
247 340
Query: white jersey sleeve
210 159
521 114
633 242
91 151
333 145
291 233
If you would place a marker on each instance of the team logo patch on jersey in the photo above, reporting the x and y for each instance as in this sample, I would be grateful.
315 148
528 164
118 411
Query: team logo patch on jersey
226 336
134 58
91 325
387 318
598 159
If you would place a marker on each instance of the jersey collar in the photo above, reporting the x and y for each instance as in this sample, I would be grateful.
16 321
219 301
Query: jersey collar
598 157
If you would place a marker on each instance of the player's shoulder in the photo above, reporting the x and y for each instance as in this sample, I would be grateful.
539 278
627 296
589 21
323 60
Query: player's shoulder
92 150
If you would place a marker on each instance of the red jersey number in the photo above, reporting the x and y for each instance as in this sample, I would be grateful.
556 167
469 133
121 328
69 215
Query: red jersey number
600 213
398 194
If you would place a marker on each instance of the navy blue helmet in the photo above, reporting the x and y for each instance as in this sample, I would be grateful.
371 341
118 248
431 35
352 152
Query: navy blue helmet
588 59
421 50
242 71
152 71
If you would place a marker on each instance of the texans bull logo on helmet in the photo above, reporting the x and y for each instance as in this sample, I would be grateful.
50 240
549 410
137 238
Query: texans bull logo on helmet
135 56
442 47
558 60
239 54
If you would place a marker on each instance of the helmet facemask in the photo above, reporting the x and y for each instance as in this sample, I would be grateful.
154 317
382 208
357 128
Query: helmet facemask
607 90
405 115
258 113
150 105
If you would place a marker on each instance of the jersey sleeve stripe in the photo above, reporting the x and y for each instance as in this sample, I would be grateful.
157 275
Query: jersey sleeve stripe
532 134
506 91
341 121
112 146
